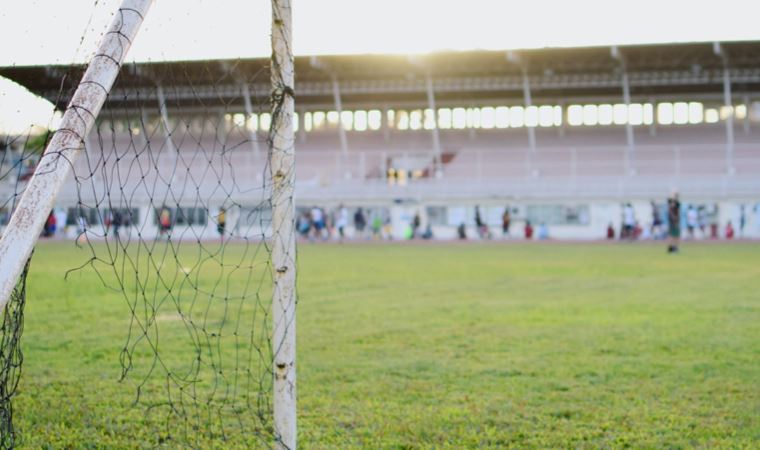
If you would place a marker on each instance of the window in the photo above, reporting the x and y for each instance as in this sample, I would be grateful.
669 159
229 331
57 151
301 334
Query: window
680 113
347 120
575 115
460 118
487 118
604 113
531 116
307 122
696 112
360 120
402 120
501 117
516 116
590 116
91 216
558 214
665 113
429 119
415 120
319 120
711 115
620 114
473 117
375 119
437 215
184 216
444 118
265 120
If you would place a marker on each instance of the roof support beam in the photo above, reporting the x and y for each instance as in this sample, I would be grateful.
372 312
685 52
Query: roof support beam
438 164
720 51
253 133
629 139
339 109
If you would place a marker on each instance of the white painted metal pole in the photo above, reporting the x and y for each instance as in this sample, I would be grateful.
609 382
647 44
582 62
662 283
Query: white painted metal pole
66 145
729 119
436 137
282 166
528 103
339 109
249 114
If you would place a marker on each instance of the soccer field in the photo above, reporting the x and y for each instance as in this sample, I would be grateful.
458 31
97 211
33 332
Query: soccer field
450 346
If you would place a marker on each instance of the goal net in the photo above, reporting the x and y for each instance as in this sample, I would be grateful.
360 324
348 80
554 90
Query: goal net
176 182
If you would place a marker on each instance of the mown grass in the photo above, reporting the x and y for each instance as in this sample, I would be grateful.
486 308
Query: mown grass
449 346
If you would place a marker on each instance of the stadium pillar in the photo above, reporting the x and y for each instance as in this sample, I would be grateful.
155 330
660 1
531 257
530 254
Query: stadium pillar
282 167
385 126
60 155
248 114
747 105
301 126
630 145
339 109
165 123
528 103
718 49
438 166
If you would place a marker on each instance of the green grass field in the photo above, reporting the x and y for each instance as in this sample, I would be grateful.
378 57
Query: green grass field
450 346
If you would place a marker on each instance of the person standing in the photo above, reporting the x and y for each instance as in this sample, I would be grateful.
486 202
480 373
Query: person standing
221 222
342 222
506 220
360 222
692 220
629 222
674 223
416 222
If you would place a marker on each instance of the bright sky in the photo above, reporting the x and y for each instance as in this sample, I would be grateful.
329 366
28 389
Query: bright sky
64 31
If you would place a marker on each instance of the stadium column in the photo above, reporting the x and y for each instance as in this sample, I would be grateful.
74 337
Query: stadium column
438 167
630 145
528 104
747 106
167 130
61 153
515 58
339 109
282 167
718 49
248 115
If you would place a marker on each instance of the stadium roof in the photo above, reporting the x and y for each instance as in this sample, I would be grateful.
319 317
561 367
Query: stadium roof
466 77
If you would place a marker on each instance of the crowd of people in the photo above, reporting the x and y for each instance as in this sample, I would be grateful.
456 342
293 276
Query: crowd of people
316 224
668 221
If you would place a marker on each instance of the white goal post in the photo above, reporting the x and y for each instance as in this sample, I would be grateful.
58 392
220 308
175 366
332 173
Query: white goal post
67 144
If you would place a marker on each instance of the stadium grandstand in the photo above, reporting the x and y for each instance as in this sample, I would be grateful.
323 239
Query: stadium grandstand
562 136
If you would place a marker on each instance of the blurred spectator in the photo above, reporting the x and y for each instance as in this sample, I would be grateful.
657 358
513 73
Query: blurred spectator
462 231
629 222
221 223
729 230
377 227
543 231
656 221
415 225
50 225
610 231
360 222
674 222
692 220
742 220
60 218
528 230
506 220
303 225
318 221
342 222
428 234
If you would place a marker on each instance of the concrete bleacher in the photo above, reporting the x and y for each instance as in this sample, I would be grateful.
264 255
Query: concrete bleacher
584 160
